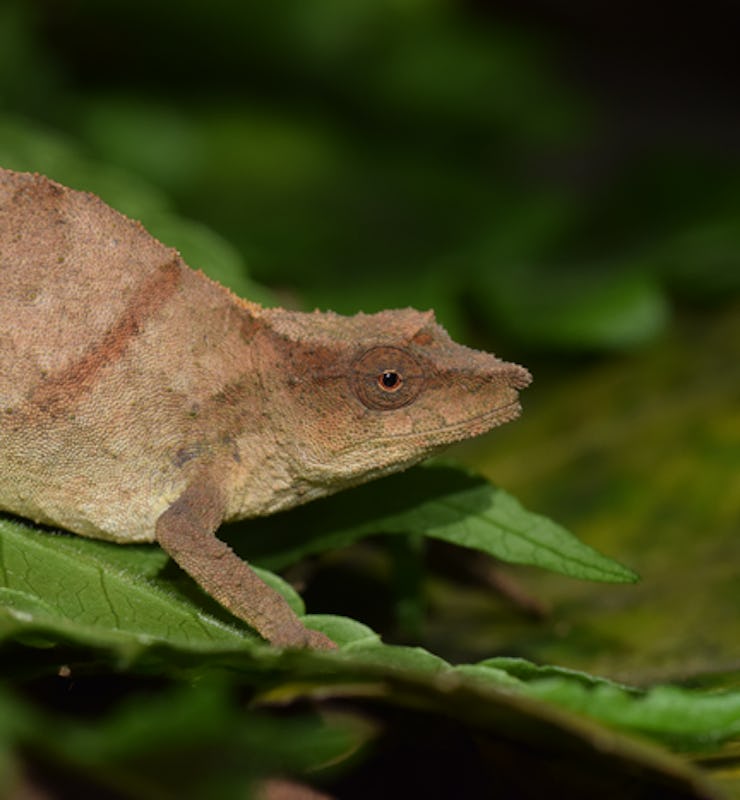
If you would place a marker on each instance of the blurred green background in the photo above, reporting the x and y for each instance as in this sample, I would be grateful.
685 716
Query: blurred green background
554 178
559 181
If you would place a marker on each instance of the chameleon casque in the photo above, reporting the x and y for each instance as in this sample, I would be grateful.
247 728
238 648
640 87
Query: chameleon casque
141 401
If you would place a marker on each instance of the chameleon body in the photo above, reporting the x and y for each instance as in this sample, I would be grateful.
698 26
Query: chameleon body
140 401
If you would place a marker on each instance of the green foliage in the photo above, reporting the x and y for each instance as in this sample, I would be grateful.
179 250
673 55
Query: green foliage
437 501
60 589
106 594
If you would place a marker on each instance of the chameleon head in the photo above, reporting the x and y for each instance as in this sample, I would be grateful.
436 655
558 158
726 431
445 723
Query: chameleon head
362 396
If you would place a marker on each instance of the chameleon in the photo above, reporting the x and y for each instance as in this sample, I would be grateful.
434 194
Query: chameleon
141 401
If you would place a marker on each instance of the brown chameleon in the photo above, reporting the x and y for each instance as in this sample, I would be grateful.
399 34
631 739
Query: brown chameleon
141 401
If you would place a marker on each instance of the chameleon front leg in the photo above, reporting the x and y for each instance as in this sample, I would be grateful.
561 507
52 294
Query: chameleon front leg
187 532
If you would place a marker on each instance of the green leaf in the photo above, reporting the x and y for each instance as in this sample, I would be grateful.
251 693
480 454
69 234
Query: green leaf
342 630
414 659
101 593
525 671
683 718
688 719
130 596
438 501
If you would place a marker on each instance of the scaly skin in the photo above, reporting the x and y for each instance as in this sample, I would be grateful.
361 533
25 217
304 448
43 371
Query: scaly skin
141 401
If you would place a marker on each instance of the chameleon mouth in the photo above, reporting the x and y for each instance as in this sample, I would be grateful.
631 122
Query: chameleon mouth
471 426
447 434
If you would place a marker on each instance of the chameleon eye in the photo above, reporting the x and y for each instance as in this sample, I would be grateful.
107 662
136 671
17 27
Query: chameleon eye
385 378
390 380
